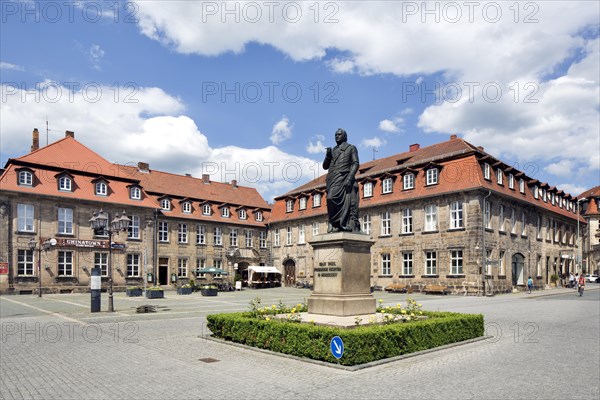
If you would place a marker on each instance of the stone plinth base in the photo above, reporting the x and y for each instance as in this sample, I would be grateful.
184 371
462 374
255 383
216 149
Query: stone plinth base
342 275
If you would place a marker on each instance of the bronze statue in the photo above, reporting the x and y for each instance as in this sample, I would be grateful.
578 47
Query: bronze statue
342 189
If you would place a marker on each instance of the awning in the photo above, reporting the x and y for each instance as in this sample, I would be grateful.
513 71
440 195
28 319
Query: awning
212 270
264 269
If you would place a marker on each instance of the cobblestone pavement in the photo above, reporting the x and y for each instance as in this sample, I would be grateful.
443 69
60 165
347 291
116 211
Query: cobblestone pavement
544 346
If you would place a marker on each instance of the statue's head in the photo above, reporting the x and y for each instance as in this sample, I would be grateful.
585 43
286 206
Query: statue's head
341 136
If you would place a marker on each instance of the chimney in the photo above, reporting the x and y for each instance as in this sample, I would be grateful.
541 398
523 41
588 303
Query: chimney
480 148
452 137
234 183
143 167
188 175
205 178
414 147
36 140
70 134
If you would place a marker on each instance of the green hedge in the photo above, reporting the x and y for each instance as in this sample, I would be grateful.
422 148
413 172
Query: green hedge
362 344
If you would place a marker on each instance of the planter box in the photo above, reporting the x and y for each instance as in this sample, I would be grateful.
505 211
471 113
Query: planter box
133 292
185 290
209 292
155 294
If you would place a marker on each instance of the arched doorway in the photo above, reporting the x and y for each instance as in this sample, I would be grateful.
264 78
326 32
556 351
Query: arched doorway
289 272
242 269
518 269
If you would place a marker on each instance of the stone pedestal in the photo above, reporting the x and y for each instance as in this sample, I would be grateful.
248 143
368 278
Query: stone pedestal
342 275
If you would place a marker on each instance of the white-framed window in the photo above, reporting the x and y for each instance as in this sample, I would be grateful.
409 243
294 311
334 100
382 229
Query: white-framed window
487 171
25 216
289 205
522 185
101 261
544 195
242 214
430 218
386 223
315 228
409 181
163 231
276 237
200 264
511 181
407 263
431 263
101 188
456 262
387 185
386 264
523 224
513 220
182 233
200 234
488 214
165 204
288 235
233 237
135 193
65 221
556 231
501 218
25 178
133 264
25 262
366 224
502 266
432 176
538 265
538 227
317 200
262 239
301 235
133 232
65 263
302 203
182 267
488 259
536 192
548 230
456 215
186 207
218 263
499 176
205 209
64 183
218 236
225 212
368 189
259 216
249 238
407 220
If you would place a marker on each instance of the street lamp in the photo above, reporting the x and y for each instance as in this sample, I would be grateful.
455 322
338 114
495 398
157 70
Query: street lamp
99 223
33 245
579 247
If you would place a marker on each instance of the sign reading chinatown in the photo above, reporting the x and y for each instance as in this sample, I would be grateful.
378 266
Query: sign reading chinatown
94 244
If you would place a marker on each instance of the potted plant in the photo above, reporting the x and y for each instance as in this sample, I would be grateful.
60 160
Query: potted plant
133 291
553 279
185 289
209 290
155 292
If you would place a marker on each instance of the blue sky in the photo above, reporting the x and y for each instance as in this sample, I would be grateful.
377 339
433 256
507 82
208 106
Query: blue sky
372 68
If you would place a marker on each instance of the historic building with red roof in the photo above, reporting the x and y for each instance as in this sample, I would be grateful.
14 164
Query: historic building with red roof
590 239
179 224
435 213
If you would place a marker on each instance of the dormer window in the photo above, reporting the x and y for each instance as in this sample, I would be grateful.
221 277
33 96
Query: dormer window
165 204
65 183
522 185
409 181
499 176
242 214
387 185
302 203
25 178
135 193
486 171
511 181
259 216
368 189
553 198
101 188
544 195
289 205
432 176
536 192
186 207
206 209
317 200
225 212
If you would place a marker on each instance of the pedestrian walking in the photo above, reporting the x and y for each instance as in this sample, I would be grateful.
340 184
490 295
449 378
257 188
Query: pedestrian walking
581 283
529 285
571 280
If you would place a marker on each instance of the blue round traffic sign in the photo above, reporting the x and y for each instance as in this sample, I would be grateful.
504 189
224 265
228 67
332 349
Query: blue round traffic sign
337 347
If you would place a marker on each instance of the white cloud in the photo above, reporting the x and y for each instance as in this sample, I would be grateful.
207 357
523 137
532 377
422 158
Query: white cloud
572 189
9 66
96 55
148 126
373 142
392 126
316 147
282 130
563 168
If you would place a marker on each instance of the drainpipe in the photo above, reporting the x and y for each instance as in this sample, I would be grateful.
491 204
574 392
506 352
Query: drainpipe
483 249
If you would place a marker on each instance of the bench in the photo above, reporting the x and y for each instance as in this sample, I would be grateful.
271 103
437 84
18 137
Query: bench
471 291
395 288
435 289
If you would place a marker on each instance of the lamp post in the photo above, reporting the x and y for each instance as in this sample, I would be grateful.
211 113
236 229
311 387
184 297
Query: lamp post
33 246
99 223
483 250
579 247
